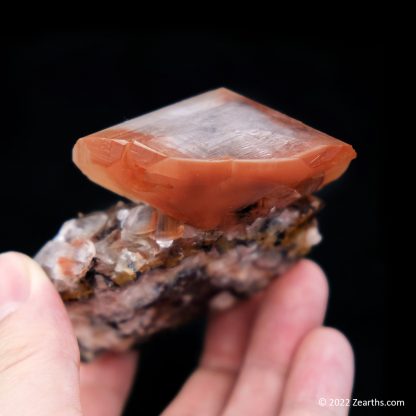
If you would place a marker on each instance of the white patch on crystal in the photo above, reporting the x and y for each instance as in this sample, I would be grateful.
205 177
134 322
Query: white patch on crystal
129 262
122 215
312 236
288 216
230 129
224 300
164 243
83 227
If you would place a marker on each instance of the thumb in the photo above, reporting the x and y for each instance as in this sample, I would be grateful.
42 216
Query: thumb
39 357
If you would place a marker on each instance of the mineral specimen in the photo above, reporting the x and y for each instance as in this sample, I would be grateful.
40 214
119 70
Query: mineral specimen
122 284
221 189
203 158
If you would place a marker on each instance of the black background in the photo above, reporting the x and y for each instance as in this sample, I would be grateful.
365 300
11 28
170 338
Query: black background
57 87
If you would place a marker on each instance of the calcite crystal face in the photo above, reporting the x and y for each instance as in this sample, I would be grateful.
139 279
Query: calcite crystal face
204 158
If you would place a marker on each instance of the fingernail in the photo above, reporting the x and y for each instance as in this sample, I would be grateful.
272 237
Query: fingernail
14 283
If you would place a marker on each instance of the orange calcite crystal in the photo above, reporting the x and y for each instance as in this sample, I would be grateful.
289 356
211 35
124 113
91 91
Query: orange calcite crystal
204 158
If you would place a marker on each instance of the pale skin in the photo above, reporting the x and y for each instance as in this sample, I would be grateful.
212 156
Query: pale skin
269 355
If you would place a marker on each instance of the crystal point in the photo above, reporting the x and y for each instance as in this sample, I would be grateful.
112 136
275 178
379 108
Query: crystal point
202 159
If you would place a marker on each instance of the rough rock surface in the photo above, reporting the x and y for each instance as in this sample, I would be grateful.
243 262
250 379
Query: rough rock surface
131 271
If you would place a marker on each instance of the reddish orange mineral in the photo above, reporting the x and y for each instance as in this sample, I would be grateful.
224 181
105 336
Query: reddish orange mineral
204 158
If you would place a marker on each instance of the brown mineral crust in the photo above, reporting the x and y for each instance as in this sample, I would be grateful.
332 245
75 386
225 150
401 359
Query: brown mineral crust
134 288
204 158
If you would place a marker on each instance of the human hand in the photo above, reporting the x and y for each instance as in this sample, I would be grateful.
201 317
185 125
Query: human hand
264 356
271 355
40 374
